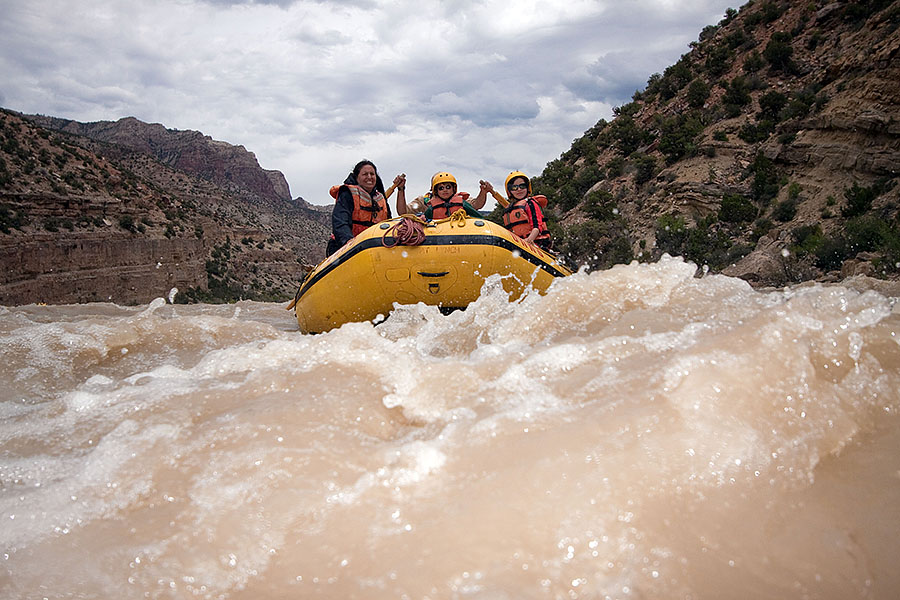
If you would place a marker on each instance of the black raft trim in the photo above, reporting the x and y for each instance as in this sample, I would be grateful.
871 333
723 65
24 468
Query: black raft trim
434 240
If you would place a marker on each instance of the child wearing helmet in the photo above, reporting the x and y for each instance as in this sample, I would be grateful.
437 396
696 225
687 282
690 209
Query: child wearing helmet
524 215
443 199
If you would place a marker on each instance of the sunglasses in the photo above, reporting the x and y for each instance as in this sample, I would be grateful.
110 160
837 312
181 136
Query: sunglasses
443 186
518 186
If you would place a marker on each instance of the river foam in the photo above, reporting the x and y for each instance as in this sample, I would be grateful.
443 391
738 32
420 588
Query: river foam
634 433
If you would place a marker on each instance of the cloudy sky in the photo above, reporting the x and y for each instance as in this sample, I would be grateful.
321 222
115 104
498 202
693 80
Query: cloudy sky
475 87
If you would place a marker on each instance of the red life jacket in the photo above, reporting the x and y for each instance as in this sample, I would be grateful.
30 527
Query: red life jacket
441 209
368 209
526 214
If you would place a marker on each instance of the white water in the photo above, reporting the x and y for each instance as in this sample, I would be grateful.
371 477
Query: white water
635 433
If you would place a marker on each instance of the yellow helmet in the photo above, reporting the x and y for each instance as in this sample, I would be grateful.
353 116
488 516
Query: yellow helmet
442 177
512 176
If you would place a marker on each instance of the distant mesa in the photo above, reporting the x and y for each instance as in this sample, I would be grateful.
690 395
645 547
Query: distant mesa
190 151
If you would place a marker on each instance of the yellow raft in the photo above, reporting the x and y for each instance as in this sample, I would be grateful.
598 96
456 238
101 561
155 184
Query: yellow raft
373 271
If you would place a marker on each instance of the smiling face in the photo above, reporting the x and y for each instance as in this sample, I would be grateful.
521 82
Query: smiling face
367 178
518 188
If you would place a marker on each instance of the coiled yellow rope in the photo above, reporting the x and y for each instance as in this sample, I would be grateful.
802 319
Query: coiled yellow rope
458 218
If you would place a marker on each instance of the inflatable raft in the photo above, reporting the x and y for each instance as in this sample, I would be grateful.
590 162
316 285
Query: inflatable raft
406 261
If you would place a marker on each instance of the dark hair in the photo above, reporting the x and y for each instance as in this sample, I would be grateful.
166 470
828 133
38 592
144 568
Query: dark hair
359 166
379 185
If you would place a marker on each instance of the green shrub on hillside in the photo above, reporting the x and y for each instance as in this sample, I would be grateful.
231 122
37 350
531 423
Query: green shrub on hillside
674 78
770 106
814 40
754 62
586 178
831 253
752 20
582 147
644 168
858 12
778 52
801 103
765 179
703 244
890 247
730 14
566 186
708 32
708 245
697 93
595 245
5 176
625 134
595 131
126 222
615 167
718 61
73 181
652 88
785 210
11 219
628 110
770 10
601 206
738 38
859 200
556 173
807 239
678 135
866 233
737 209
671 233
736 96
754 133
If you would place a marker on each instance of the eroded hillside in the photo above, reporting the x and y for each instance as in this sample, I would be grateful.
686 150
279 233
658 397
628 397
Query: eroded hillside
769 151
101 218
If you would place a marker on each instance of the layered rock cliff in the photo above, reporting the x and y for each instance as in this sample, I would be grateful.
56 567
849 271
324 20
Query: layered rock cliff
769 151
127 212
225 165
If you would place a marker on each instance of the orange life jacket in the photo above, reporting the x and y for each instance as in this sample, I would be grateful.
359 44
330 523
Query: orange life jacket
368 209
441 209
526 214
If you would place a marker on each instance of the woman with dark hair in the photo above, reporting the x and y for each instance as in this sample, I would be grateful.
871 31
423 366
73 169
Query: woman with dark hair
360 203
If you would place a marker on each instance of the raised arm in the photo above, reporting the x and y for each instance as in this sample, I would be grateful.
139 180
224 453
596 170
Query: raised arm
497 196
479 200
400 184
